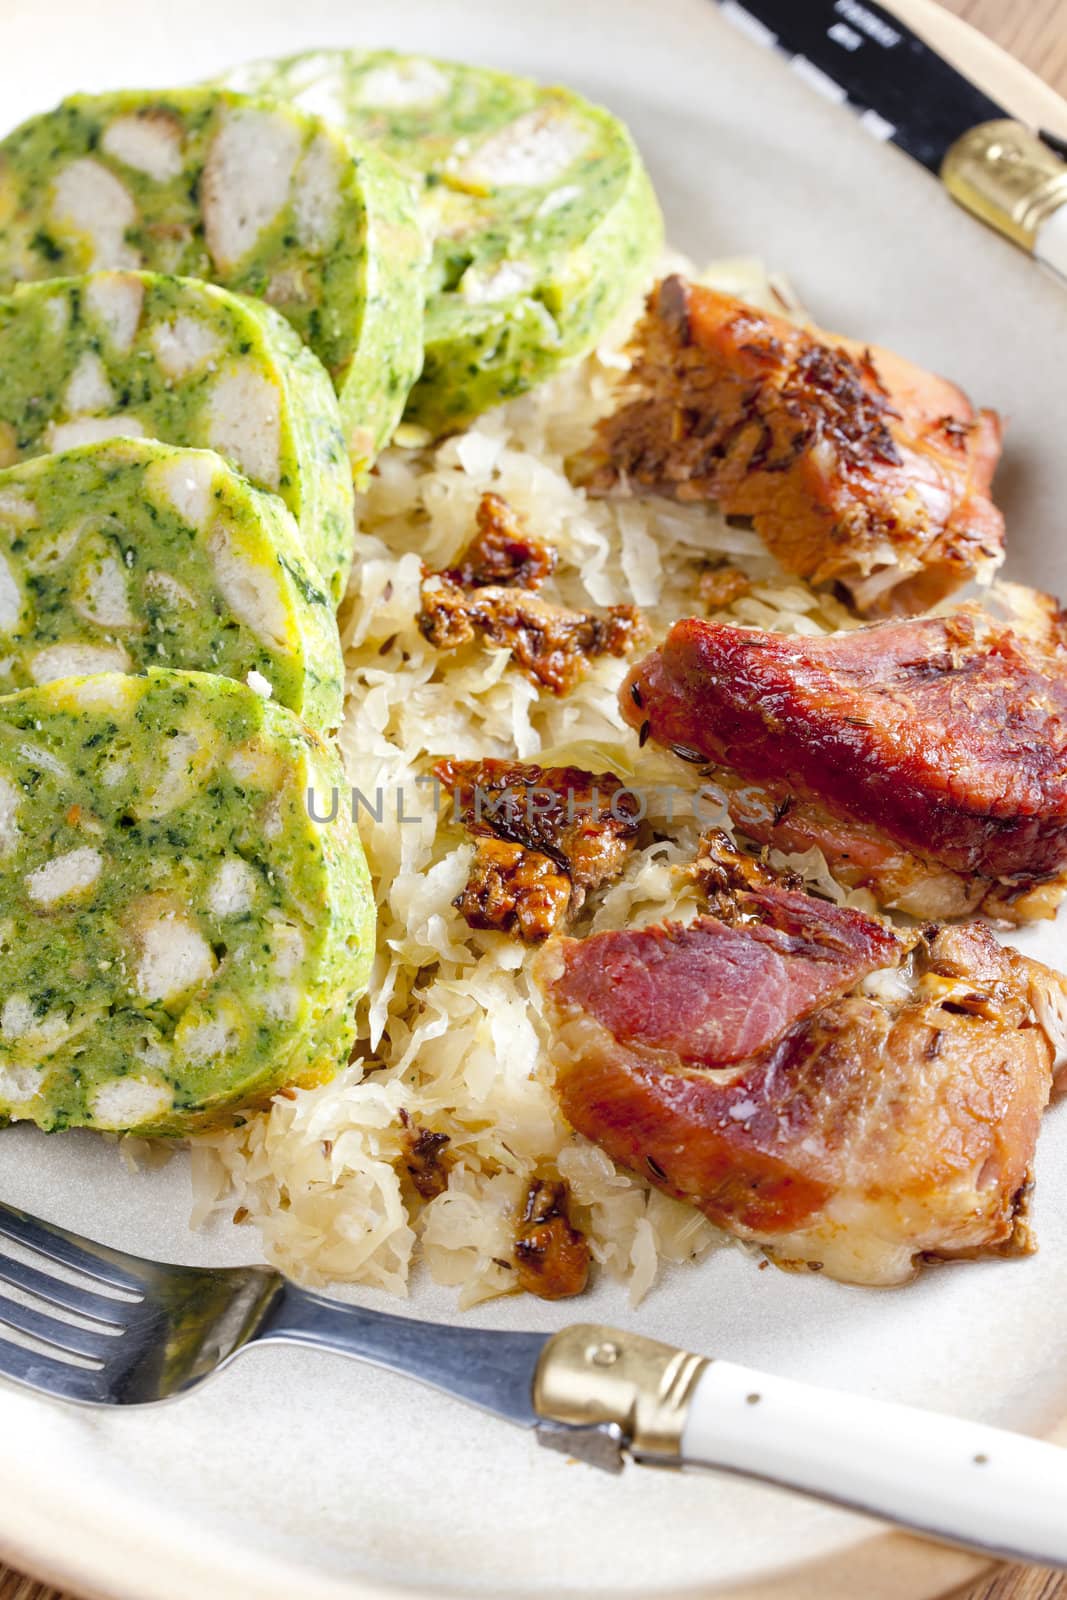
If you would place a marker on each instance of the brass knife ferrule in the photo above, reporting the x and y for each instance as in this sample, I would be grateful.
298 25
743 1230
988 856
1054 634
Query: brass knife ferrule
1004 174
589 1376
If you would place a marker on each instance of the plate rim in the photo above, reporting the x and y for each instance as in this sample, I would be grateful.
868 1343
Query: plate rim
165 1567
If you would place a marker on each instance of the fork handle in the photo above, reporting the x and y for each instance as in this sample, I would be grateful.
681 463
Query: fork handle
956 1480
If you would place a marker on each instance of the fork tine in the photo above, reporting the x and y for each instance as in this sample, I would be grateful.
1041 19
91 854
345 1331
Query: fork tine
94 1260
63 1335
57 1292
49 1376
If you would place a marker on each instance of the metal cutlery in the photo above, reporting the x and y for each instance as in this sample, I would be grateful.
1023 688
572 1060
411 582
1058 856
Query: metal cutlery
861 55
82 1322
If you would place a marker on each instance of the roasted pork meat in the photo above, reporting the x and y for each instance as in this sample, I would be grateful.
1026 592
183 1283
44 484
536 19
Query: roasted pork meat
503 551
927 760
489 593
721 586
550 644
426 1160
851 1098
544 836
551 1255
855 467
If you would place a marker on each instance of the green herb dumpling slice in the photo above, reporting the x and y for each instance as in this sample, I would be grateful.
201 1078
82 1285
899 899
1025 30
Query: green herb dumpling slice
131 554
138 354
261 198
542 215
179 938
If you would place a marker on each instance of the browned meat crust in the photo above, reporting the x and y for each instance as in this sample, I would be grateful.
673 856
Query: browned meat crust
550 644
854 465
551 1255
721 586
855 1117
545 837
924 757
488 594
721 871
426 1161
502 552
514 890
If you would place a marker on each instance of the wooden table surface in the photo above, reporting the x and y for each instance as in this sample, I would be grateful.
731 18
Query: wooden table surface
1035 31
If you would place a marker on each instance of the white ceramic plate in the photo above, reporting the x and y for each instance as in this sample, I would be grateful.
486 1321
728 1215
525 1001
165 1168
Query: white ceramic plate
303 1475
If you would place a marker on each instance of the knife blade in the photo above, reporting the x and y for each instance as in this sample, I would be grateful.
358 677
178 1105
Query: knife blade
860 54
606 1395
883 69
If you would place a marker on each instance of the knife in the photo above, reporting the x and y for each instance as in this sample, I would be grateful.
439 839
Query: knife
148 1331
860 54
598 1392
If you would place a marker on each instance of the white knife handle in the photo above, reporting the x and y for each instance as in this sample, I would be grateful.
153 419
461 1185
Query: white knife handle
1050 244
956 1480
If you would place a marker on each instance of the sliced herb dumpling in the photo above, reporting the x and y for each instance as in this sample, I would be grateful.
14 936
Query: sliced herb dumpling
179 937
261 198
135 354
130 554
543 218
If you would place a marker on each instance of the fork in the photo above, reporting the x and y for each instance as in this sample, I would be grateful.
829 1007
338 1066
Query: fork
82 1322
